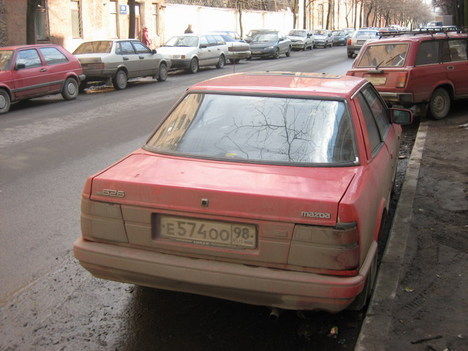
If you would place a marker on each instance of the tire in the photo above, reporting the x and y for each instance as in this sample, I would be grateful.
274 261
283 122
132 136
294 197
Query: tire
221 62
364 296
194 66
350 55
288 53
83 86
439 105
276 54
70 89
5 101
120 80
162 74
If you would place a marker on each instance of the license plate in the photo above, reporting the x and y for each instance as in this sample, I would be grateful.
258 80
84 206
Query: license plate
376 80
206 232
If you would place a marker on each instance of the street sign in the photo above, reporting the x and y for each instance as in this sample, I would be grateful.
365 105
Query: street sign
123 9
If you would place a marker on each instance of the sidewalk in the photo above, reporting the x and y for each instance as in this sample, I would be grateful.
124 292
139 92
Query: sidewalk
420 301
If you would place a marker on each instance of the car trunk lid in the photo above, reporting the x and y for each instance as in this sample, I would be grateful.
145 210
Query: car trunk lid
264 201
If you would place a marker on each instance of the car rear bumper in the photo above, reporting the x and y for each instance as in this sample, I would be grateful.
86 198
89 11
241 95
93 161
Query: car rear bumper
180 63
298 45
231 281
402 98
238 55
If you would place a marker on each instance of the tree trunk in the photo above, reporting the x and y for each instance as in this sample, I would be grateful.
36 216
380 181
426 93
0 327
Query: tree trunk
355 13
328 14
131 19
369 10
239 8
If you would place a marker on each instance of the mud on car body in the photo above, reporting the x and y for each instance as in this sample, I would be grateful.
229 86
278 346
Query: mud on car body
263 188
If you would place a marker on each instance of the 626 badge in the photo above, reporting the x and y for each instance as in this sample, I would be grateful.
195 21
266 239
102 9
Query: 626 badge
111 193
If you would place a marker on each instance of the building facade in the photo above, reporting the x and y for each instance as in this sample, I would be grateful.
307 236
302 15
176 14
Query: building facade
70 22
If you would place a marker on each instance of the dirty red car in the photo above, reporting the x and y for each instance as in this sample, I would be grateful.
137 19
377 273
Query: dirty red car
263 188
31 71
422 70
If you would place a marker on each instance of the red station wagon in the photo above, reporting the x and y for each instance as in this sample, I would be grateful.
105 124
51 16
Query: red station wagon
425 70
30 71
264 188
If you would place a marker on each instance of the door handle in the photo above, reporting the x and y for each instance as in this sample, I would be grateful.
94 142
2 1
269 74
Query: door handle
450 68
125 58
141 57
43 70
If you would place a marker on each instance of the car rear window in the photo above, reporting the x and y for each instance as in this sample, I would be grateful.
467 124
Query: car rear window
5 59
278 130
384 55
94 47
366 33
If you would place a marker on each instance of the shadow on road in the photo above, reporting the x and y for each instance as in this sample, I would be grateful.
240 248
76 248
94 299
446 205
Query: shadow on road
166 320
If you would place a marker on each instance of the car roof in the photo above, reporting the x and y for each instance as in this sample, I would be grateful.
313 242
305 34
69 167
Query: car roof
16 47
283 83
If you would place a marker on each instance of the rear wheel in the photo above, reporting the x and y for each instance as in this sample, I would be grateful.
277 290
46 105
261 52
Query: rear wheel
4 101
276 54
120 80
193 68
162 74
70 89
221 62
439 106
350 55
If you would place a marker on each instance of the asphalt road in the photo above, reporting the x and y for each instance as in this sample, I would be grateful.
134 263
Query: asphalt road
48 147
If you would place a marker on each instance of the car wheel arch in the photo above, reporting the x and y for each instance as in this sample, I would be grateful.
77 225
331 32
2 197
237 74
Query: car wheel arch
8 91
447 86
121 67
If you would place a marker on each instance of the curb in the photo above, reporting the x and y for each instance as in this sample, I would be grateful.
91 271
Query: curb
376 324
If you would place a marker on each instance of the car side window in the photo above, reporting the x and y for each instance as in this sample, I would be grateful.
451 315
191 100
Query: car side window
140 48
203 41
458 49
378 109
30 58
372 130
428 52
212 40
53 56
125 48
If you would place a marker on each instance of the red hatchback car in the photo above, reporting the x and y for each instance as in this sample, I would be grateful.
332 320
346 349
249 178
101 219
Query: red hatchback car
30 71
264 188
422 70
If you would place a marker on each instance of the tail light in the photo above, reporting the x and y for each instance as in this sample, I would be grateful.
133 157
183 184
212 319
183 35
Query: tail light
401 79
330 248
348 42
102 221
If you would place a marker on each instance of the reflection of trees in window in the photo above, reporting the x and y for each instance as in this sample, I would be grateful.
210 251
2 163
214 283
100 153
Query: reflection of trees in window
261 129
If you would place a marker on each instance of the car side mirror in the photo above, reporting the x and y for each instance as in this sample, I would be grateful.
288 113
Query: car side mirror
20 66
401 116
153 51
203 46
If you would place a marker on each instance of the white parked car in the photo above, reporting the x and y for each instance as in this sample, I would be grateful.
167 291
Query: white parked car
301 39
191 51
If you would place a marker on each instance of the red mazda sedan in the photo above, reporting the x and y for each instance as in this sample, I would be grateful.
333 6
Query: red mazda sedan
264 188
30 71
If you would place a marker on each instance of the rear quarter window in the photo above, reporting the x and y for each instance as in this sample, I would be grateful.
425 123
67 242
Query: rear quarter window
53 56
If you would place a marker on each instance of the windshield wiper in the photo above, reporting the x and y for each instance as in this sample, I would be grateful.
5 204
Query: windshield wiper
383 61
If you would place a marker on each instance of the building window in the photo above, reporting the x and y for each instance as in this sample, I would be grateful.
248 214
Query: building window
113 19
77 31
155 15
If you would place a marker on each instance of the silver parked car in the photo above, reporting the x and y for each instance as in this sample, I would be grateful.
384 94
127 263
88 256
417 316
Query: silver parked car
323 38
237 48
301 39
358 39
270 44
190 51
120 60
